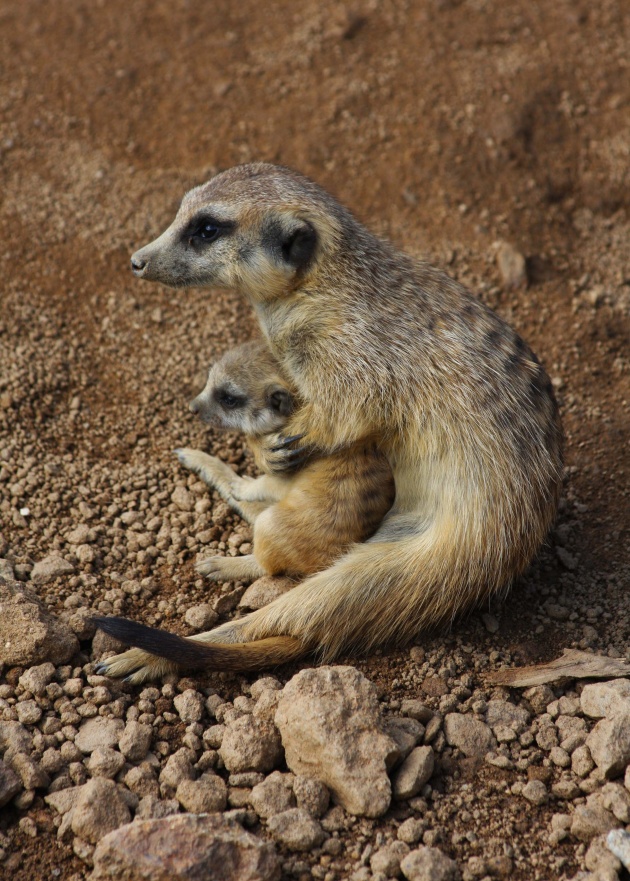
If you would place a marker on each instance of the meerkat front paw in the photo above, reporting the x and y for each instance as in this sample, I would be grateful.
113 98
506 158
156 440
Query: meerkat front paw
211 470
199 462
282 457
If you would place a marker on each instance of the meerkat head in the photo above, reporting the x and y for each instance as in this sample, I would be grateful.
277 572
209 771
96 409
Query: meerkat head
246 392
258 228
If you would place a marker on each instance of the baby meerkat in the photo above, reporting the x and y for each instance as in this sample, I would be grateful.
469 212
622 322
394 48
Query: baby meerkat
302 521
384 349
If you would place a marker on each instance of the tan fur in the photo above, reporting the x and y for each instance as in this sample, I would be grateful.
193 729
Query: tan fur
380 348
303 521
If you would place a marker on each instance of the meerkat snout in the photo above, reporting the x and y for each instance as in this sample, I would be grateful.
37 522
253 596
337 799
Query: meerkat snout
138 264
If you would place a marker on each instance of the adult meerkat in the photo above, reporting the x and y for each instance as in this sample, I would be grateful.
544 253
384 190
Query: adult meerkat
302 521
380 348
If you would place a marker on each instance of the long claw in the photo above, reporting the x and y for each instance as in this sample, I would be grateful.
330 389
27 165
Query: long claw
286 442
290 460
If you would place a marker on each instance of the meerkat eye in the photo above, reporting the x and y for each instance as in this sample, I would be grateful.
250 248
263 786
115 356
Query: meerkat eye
228 400
207 231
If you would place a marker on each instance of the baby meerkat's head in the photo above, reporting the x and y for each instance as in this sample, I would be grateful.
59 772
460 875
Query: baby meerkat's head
245 392
259 228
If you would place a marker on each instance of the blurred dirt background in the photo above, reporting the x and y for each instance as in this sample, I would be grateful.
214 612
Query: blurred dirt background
447 126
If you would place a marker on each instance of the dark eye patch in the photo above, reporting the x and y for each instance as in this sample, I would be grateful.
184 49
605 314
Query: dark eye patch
206 229
228 399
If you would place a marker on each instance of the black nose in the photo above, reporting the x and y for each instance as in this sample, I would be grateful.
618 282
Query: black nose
137 264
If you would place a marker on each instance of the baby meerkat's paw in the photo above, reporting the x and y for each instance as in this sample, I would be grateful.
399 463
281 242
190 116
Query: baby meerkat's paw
198 461
245 568
136 666
214 568
211 470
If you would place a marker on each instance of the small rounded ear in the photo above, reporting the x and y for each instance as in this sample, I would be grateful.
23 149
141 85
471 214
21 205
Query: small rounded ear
298 244
279 399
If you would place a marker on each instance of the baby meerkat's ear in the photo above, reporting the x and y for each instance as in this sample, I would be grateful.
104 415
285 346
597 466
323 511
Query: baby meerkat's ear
298 244
279 399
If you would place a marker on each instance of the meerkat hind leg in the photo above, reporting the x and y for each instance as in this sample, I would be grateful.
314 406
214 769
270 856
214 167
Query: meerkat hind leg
217 568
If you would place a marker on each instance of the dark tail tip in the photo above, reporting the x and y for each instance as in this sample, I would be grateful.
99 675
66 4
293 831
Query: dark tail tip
157 642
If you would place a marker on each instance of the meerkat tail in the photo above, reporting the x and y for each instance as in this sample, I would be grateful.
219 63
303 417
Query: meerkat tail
384 592
192 654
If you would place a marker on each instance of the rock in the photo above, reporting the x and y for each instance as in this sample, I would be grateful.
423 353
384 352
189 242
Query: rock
609 744
105 762
28 712
30 773
267 704
387 859
331 728
98 731
142 780
29 634
311 795
567 559
406 733
206 795
81 534
264 684
183 499
599 858
35 679
103 642
80 623
618 842
50 568
429 864
64 800
190 705
606 698
185 847
178 767
411 831
591 820
135 741
581 761
535 792
264 590
414 772
14 738
100 809
274 795
201 617
615 798
504 713
10 784
490 622
539 696
472 737
296 829
250 744
153 808
566 789
416 710
512 266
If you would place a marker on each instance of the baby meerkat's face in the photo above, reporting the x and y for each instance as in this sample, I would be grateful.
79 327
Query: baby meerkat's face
243 400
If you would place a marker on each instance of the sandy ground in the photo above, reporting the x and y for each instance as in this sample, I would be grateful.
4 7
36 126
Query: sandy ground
447 126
